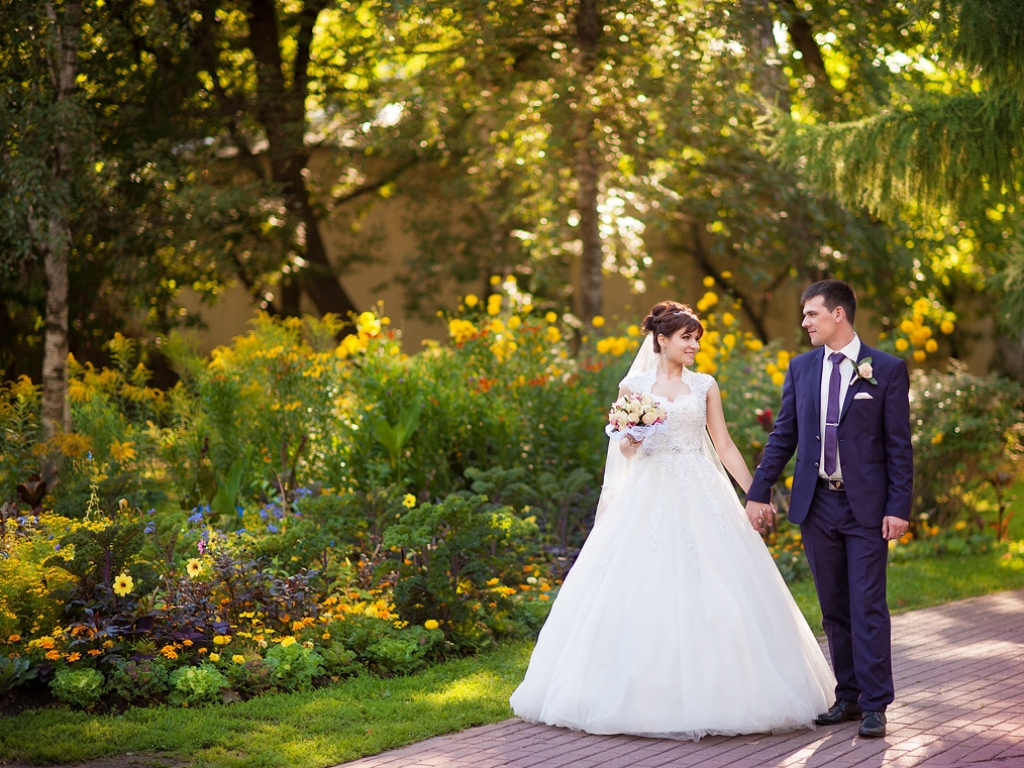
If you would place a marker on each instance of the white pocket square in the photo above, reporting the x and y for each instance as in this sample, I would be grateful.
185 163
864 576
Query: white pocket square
863 396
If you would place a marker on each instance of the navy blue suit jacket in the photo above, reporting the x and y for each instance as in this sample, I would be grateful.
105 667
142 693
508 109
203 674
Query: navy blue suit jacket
875 452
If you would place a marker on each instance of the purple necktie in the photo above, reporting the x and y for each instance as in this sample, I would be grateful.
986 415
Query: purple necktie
832 415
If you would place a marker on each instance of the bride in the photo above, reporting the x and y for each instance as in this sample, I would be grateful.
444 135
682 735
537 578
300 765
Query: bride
674 620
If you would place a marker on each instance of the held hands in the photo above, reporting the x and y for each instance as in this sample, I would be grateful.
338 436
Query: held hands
761 515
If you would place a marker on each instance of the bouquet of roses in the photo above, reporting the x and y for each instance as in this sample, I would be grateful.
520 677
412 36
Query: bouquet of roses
637 414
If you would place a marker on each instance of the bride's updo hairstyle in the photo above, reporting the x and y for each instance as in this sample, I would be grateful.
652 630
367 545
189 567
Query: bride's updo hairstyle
668 318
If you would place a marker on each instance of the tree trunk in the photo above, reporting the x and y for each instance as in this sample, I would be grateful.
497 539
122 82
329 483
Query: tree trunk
588 32
282 111
63 64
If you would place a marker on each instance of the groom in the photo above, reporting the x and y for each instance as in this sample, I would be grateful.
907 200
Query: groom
846 413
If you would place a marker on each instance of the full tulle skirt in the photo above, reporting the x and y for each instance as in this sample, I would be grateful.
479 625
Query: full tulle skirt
674 621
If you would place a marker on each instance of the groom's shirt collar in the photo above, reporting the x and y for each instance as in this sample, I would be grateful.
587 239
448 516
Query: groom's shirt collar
851 351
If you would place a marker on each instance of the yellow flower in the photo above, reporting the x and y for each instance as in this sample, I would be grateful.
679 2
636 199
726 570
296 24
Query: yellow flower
214 657
960 525
551 317
709 281
368 324
598 321
194 567
902 344
919 355
789 482
502 349
496 326
237 658
754 345
728 318
461 330
409 500
514 322
778 378
286 641
494 304
430 624
169 652
931 346
495 279
221 639
936 438
552 335
727 275
946 327
122 451
471 300
123 584
707 301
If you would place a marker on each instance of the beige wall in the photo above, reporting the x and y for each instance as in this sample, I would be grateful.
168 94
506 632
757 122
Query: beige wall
384 232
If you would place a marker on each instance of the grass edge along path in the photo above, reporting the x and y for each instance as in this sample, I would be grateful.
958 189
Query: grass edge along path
367 715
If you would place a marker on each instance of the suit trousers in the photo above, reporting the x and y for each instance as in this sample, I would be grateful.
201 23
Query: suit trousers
848 562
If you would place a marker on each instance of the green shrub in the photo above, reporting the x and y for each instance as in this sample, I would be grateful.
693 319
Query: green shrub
293 666
15 671
138 680
78 687
192 686
250 678
967 433
453 556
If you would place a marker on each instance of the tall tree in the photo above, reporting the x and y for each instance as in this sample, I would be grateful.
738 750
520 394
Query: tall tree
45 143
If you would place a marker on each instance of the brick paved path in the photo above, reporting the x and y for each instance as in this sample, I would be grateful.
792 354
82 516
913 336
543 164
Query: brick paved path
959 672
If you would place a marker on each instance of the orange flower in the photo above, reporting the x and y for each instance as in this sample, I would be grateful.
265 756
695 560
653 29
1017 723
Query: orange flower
53 655
73 657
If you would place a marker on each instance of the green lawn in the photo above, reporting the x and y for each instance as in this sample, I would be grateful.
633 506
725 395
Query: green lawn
367 715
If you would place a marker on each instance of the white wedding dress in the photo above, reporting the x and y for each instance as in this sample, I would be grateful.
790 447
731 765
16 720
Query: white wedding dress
674 620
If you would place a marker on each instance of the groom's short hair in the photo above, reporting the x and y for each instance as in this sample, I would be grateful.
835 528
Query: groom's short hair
835 293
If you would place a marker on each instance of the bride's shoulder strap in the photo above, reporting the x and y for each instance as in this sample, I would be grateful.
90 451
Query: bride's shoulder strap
702 382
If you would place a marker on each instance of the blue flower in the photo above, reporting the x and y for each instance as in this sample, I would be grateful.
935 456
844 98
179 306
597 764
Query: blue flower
150 511
150 527
196 516
271 528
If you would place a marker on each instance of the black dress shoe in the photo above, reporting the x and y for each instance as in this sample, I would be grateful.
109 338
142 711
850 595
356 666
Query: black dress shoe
872 725
841 712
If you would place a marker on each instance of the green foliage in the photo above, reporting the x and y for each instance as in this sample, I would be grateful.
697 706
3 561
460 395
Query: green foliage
81 688
193 686
967 432
138 681
293 666
450 552
20 430
15 671
100 554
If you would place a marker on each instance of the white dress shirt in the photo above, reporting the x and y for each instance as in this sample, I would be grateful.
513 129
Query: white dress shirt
846 371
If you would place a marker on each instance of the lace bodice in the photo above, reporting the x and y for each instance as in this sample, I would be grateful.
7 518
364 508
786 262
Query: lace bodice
687 414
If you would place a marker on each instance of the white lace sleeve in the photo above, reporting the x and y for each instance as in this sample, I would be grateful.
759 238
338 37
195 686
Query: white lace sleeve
702 383
638 382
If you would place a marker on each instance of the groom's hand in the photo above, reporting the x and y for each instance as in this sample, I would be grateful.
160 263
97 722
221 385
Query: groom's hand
761 515
894 527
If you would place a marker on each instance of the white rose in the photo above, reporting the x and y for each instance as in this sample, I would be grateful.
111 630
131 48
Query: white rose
864 370
650 418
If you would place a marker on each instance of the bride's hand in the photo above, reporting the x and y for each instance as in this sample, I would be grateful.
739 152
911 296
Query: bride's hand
629 445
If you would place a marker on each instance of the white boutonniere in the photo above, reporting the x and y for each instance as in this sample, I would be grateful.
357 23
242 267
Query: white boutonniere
864 371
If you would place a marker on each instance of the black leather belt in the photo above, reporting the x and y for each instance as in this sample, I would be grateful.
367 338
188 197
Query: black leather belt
832 485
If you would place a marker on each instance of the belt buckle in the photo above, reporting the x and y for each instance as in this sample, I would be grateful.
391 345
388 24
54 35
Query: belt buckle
836 485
